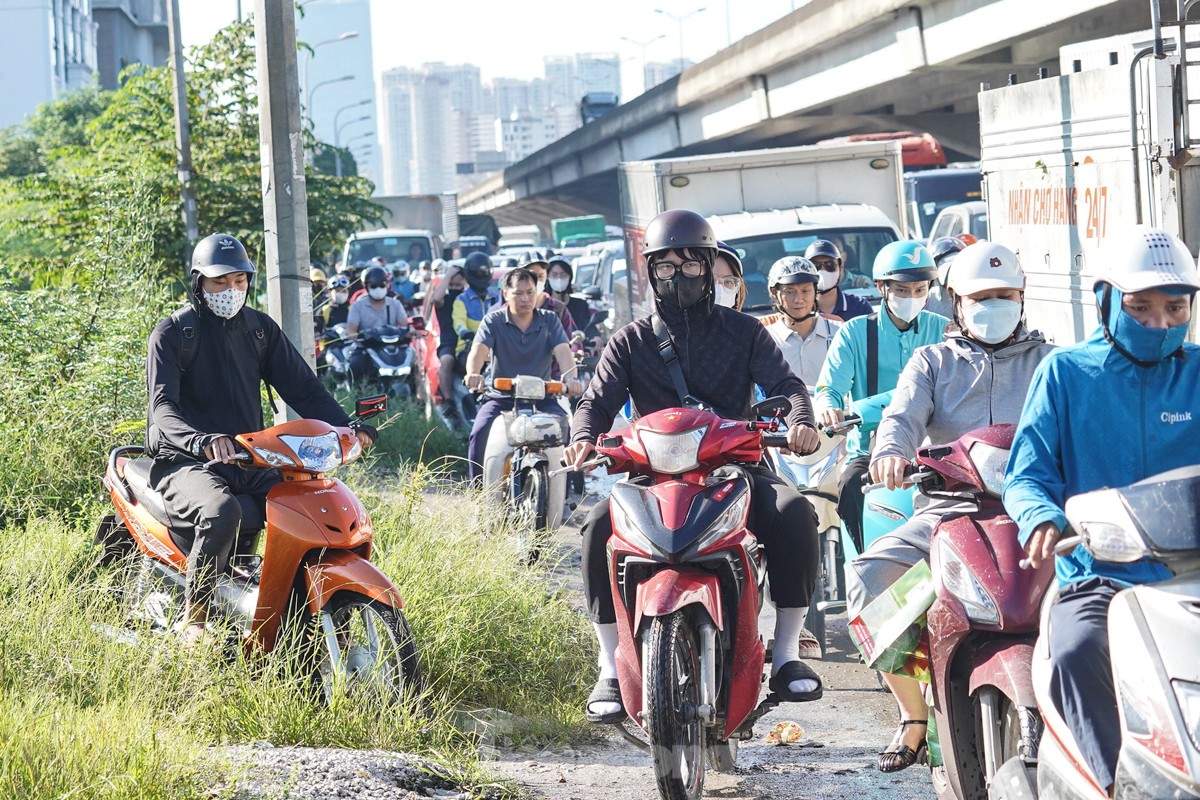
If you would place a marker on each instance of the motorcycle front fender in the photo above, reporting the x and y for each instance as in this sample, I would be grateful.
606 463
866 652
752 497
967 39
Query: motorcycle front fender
343 570
1007 664
669 590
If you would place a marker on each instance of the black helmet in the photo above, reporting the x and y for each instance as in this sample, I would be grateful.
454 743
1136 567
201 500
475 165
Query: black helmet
944 246
532 257
220 254
823 247
376 274
510 263
677 229
477 269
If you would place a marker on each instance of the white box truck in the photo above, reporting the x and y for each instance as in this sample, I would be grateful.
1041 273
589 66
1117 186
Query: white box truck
769 204
1070 161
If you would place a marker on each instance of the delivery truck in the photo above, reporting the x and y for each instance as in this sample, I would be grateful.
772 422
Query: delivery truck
769 204
1071 161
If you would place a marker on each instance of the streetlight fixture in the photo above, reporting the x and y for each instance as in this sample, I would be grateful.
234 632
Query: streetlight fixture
337 134
313 90
308 54
337 114
337 150
642 46
679 19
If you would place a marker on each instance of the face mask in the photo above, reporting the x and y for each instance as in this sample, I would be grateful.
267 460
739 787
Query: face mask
725 297
378 293
225 304
1150 345
341 297
402 276
991 321
451 294
424 276
560 284
905 308
680 291
541 287
828 280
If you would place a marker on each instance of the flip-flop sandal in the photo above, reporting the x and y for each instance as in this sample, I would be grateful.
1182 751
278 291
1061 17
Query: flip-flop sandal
606 691
795 671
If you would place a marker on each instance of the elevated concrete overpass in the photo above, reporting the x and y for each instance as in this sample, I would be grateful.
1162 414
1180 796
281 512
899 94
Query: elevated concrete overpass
831 68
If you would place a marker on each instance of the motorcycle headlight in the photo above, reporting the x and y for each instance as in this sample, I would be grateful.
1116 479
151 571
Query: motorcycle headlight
1109 541
317 453
1188 694
990 462
673 453
275 459
730 519
623 522
959 581
529 387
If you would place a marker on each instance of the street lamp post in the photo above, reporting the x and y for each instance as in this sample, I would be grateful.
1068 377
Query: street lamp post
308 87
337 152
313 90
679 20
337 114
642 47
337 139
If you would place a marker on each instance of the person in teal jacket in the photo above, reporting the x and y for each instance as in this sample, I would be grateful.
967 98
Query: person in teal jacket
902 272
1117 408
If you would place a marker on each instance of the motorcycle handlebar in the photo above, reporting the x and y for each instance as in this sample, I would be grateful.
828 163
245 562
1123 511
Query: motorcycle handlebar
234 457
1064 545
848 422
779 440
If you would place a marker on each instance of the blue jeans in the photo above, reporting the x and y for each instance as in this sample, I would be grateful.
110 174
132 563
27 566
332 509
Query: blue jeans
492 408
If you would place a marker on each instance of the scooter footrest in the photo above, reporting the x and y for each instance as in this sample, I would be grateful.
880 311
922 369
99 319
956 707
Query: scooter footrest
831 606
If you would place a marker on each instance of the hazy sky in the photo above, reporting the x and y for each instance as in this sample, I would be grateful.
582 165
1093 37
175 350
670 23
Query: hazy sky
508 38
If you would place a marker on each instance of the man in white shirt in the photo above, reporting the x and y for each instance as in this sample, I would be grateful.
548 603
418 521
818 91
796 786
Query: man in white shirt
801 332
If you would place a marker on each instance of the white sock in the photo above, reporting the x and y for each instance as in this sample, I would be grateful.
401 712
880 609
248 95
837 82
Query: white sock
788 624
606 635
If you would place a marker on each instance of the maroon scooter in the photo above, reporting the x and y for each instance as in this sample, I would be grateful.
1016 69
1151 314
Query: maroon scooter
984 620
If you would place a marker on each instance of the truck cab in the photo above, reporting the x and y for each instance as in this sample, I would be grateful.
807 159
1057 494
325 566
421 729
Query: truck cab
392 245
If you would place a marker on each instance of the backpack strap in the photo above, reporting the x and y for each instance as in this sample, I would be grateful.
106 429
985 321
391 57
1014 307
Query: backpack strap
872 355
186 321
258 337
666 349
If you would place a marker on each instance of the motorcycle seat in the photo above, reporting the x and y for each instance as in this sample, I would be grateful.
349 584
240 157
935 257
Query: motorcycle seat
137 475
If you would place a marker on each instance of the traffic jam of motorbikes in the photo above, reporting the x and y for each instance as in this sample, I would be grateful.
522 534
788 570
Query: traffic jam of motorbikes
977 443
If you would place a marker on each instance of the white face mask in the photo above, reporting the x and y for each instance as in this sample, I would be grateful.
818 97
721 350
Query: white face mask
341 297
828 280
725 297
560 284
378 293
227 303
991 321
906 308
402 275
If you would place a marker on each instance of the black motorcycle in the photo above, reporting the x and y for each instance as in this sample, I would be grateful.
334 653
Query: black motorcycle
389 360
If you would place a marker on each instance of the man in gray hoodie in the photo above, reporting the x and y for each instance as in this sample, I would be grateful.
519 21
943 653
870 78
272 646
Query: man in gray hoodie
978 376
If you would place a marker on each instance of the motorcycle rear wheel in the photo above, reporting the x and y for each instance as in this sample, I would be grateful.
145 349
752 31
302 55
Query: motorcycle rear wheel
672 682
376 653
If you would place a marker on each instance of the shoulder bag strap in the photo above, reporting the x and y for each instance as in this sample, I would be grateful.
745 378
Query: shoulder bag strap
872 355
185 319
667 350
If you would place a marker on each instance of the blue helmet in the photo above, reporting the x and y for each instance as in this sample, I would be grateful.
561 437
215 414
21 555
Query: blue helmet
904 261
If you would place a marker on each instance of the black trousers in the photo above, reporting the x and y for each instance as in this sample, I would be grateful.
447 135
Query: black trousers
780 517
205 504
850 497
1081 679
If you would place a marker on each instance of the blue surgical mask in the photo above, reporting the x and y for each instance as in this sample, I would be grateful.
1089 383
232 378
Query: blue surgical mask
1150 345
991 321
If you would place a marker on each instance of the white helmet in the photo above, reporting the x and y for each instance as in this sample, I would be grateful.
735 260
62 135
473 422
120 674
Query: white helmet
1148 258
985 265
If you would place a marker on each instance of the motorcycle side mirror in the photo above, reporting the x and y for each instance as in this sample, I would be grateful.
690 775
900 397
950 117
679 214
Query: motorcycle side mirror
778 406
417 322
367 407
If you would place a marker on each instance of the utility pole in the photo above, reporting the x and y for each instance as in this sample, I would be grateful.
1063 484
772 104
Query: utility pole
285 198
183 137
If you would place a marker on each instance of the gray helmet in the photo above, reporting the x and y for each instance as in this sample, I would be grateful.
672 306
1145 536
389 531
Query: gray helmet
679 229
791 269
220 254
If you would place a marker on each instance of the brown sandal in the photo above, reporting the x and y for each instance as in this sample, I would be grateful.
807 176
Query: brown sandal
903 756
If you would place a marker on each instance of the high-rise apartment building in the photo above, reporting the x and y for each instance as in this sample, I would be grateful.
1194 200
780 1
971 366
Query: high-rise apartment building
657 72
129 32
522 135
49 48
339 33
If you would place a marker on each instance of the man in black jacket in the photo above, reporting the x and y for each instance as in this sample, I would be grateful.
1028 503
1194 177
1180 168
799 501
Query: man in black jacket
723 354
204 369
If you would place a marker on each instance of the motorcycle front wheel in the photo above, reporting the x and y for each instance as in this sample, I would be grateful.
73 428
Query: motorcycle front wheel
672 683
366 646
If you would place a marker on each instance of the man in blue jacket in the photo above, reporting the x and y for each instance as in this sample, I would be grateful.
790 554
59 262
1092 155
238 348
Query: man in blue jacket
1110 411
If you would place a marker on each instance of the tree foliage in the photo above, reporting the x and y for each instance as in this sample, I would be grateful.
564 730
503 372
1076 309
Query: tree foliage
91 148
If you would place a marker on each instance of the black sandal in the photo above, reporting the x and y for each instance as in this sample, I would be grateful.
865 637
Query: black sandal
903 756
795 671
607 690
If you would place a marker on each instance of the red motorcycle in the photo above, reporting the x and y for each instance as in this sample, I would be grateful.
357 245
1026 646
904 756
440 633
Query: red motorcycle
687 578
984 620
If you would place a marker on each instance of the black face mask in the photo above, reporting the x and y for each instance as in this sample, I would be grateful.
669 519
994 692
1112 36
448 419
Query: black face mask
451 294
680 291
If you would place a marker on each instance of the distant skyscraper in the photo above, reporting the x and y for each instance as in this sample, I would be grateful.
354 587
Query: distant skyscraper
522 135
49 47
320 27
396 130
129 32
560 77
659 72
597 72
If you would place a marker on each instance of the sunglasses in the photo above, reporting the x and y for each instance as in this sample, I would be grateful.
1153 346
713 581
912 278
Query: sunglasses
826 266
376 285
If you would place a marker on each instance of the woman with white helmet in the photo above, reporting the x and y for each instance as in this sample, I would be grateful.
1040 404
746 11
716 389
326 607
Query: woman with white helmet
1115 409
977 376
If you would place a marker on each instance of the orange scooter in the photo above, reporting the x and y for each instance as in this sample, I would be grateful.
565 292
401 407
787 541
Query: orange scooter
314 575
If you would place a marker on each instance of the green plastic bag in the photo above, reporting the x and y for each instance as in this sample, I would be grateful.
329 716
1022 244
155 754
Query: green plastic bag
890 632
